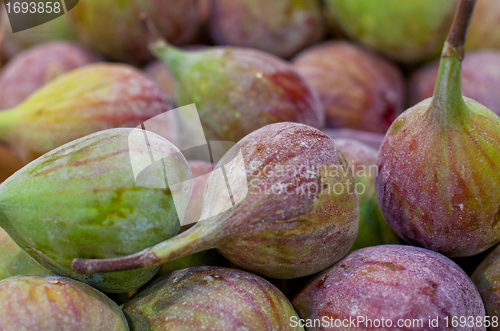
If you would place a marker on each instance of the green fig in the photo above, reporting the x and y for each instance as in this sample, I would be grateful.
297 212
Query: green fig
281 204
212 299
86 100
43 303
484 32
84 200
408 31
438 183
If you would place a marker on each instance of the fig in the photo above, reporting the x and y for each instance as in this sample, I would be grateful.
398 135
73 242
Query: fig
480 79
438 183
41 303
33 68
112 27
391 287
407 31
158 72
86 199
236 90
372 229
372 139
359 89
9 163
284 207
86 100
483 30
281 28
209 298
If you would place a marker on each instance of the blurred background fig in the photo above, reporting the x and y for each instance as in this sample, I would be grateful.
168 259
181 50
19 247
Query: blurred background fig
391 283
158 72
41 303
484 30
407 31
480 79
281 27
372 139
9 162
212 299
359 89
33 68
292 210
112 27
85 200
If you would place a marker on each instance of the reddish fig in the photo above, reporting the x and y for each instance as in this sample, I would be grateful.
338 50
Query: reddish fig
359 89
484 32
391 287
158 72
33 68
438 183
374 140
290 209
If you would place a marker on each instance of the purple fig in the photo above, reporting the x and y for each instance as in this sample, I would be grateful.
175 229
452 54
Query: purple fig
112 27
292 210
281 28
359 89
41 303
212 299
33 68
372 139
86 100
391 287
484 32
480 80
438 183
158 72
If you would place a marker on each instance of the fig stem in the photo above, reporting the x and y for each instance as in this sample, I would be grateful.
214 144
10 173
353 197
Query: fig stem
458 33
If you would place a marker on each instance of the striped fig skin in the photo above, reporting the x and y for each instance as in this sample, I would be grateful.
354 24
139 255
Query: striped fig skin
42 303
439 187
391 282
212 299
82 200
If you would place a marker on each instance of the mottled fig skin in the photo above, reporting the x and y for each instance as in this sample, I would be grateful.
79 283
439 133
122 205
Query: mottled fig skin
372 230
359 89
406 31
112 27
392 282
238 91
86 100
212 299
82 200
14 261
480 79
371 139
298 211
483 31
33 68
281 27
9 162
41 303
158 72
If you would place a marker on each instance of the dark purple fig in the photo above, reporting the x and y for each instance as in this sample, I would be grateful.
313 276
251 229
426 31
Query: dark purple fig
392 287
292 210
484 32
31 69
372 139
438 183
359 89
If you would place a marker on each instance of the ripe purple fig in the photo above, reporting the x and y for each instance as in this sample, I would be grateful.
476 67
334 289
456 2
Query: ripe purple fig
281 28
292 210
438 183
359 89
31 69
483 31
391 287
480 80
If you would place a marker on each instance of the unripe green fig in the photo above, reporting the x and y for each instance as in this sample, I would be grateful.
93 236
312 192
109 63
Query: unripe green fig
407 31
484 32
84 200
290 209
86 100
438 183
212 299
43 303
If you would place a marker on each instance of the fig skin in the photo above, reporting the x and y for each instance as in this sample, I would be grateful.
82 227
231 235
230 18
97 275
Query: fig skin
374 140
82 200
480 79
406 31
86 100
41 303
359 89
483 31
158 72
372 229
112 27
210 298
391 282
281 28
33 68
